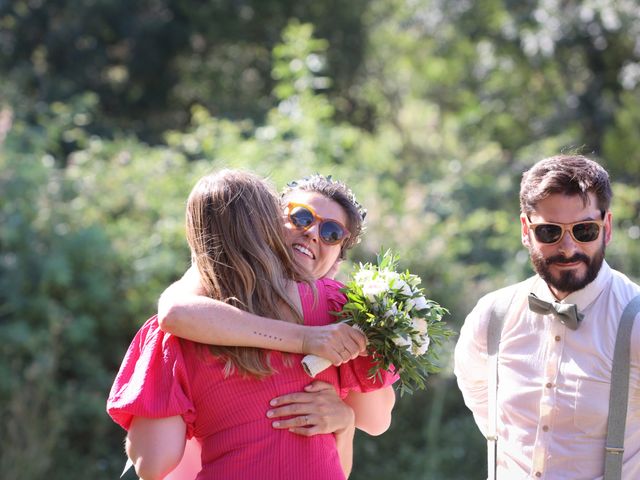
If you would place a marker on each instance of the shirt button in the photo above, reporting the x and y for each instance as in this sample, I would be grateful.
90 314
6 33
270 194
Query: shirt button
557 338
546 429
549 385
538 474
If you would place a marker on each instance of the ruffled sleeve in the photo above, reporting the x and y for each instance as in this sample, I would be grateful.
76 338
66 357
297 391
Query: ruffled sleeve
152 381
317 307
335 298
355 377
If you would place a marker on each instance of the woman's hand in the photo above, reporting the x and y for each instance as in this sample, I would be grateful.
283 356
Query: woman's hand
316 410
337 342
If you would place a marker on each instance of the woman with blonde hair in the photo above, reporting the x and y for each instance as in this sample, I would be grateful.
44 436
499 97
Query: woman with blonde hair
169 389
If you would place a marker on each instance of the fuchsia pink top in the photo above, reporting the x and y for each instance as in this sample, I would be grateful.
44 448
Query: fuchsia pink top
163 376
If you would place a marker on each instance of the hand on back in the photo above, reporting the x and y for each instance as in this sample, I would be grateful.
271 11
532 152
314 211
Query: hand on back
317 410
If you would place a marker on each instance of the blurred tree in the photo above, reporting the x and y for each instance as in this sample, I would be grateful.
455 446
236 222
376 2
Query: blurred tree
510 72
148 62
61 308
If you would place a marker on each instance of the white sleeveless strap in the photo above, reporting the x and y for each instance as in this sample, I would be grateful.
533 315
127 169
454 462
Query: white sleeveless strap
619 393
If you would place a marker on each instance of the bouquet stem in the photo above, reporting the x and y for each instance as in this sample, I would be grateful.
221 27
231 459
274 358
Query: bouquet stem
313 365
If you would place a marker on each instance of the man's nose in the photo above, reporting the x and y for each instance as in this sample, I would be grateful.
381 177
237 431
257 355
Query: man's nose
567 244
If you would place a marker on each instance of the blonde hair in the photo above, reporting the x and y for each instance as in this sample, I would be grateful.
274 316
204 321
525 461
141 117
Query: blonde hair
237 239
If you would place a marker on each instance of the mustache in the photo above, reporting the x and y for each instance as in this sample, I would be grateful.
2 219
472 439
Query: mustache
578 257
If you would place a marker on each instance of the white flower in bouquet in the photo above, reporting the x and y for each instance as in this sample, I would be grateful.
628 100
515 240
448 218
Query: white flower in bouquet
392 311
403 341
421 339
405 288
389 276
419 303
363 276
418 341
373 288
422 349
400 323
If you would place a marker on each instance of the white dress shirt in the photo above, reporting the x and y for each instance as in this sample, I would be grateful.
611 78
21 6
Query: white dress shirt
553 394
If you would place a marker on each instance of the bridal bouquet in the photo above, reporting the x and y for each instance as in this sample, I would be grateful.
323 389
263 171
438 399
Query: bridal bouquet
400 323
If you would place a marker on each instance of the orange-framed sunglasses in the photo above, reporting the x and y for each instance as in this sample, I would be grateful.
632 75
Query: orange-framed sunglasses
303 217
551 233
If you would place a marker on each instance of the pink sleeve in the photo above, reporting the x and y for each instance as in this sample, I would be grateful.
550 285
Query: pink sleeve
355 377
152 381
335 298
317 308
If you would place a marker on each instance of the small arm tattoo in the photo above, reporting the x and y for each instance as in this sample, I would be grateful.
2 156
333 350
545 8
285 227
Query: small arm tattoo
266 335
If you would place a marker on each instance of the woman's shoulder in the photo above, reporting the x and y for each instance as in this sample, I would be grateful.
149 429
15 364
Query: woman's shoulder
334 293
323 289
319 299
330 283
151 337
321 283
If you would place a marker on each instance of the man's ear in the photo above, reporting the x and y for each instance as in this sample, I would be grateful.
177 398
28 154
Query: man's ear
608 227
524 231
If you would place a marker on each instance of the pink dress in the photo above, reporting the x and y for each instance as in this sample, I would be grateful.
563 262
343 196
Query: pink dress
162 376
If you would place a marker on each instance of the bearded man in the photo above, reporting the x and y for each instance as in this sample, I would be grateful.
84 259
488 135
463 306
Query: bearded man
557 337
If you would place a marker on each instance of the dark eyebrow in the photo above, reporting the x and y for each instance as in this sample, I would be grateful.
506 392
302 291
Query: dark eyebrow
587 219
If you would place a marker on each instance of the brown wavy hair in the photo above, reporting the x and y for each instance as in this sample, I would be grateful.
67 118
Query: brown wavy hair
566 175
237 239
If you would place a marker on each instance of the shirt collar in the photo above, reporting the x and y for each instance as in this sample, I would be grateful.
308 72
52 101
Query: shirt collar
582 298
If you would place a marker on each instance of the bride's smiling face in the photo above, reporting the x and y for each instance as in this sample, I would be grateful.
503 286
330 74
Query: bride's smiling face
309 250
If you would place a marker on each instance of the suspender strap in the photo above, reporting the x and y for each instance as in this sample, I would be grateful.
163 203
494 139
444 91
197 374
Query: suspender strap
502 304
494 330
619 393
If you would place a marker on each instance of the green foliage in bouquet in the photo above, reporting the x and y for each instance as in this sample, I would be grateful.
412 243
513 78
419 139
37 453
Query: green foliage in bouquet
402 326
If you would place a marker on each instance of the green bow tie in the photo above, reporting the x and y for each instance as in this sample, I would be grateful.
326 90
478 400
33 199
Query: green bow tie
567 313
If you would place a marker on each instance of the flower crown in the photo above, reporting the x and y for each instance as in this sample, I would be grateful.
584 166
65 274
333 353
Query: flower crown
347 191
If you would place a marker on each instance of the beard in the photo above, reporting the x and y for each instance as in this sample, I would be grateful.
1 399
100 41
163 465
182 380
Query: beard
568 281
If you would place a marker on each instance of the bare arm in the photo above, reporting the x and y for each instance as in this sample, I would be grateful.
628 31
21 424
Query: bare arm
190 465
372 409
155 445
184 311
